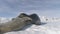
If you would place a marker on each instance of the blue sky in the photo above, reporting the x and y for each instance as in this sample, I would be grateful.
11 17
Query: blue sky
11 8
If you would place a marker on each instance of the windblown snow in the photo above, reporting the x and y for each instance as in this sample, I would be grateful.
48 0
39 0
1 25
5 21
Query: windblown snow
49 26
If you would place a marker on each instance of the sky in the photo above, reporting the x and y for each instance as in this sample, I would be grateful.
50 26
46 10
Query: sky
11 8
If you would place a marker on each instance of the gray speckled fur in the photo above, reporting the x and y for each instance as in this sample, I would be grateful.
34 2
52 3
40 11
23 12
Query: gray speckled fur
17 23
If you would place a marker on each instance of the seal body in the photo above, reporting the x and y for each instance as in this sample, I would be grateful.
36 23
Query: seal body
17 23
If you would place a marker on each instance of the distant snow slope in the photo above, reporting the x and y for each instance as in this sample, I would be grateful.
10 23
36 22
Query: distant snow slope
3 20
49 26
47 19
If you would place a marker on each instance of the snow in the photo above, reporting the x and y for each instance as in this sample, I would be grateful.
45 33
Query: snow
47 19
3 20
49 26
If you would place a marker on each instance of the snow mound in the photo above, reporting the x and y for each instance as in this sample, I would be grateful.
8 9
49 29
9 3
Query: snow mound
37 30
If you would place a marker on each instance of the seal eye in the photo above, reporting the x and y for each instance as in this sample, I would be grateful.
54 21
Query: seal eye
28 21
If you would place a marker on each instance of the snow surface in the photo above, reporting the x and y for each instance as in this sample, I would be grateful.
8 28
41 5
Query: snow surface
49 26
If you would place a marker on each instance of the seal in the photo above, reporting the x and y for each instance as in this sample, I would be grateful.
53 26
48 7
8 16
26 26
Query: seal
17 23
